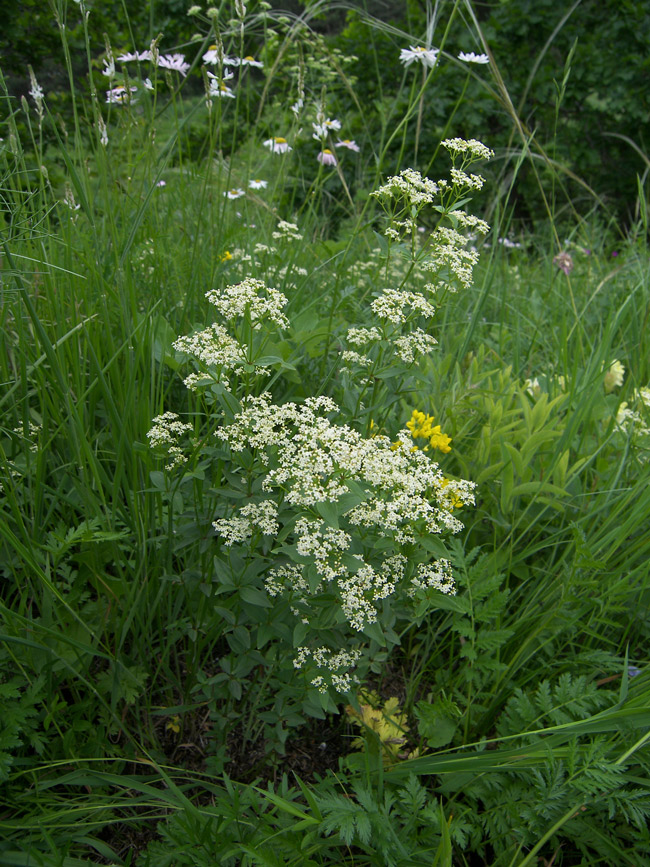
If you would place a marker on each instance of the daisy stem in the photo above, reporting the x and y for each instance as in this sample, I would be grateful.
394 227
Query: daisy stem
418 126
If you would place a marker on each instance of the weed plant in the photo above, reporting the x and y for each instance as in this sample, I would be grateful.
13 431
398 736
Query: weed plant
324 505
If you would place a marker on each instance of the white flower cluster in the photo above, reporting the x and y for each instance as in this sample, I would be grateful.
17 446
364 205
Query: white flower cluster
360 590
632 421
350 357
472 148
290 579
433 575
469 221
215 348
324 546
262 515
167 430
462 179
313 460
30 435
393 303
331 663
363 336
417 342
410 186
250 297
449 251
287 232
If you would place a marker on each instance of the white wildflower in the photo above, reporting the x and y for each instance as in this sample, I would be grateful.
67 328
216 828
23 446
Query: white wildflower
393 305
326 158
470 57
287 232
175 62
425 56
346 143
418 342
277 145
471 147
250 297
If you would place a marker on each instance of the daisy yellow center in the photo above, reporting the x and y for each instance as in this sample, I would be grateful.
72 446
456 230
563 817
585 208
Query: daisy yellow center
419 48
212 48
249 57
280 140
327 151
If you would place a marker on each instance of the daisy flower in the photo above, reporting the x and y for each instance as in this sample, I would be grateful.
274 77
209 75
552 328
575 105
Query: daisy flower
326 158
425 56
258 184
219 88
235 193
135 55
211 55
277 145
147 83
225 76
470 57
350 145
174 61
249 60
119 95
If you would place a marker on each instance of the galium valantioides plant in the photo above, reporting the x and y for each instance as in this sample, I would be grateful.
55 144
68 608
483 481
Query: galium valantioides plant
348 528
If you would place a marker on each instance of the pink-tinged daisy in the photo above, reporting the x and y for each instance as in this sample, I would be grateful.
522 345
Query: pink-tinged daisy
326 158
235 193
135 55
350 145
277 145
470 57
258 184
425 56
174 61
249 60
161 183
119 95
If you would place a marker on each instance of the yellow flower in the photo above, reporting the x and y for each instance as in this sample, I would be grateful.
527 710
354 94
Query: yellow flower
453 500
421 426
226 256
439 440
174 724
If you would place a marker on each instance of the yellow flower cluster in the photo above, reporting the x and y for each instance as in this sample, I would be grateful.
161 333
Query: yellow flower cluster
422 427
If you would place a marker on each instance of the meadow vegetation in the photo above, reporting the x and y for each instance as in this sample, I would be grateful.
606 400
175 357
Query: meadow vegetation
323 507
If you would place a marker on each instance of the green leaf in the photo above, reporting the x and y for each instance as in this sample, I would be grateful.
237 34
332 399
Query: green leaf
437 722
